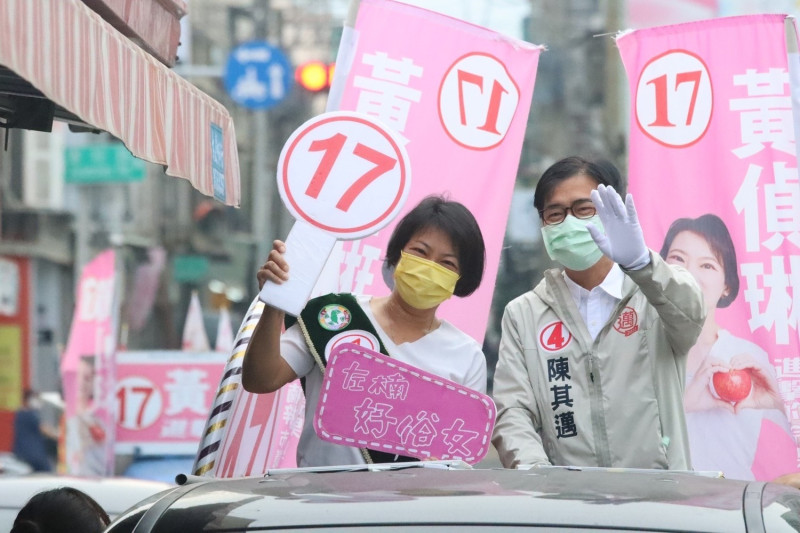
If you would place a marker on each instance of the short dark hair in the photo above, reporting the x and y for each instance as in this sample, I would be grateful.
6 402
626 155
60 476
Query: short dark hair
603 171
716 234
61 509
454 219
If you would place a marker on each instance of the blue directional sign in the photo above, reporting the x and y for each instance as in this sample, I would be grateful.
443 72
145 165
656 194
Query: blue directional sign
258 75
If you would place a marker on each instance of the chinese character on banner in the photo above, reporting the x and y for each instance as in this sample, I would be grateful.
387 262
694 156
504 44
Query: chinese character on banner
713 168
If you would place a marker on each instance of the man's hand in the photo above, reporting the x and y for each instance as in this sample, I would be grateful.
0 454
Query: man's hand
623 241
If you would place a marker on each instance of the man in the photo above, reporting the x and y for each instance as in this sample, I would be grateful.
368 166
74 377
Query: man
30 435
592 361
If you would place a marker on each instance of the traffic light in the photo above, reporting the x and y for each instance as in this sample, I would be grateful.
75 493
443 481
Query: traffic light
314 76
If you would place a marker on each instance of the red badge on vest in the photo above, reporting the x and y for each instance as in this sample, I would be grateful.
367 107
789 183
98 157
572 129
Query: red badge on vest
627 322
555 337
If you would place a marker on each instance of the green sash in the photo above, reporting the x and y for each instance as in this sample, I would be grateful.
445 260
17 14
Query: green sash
326 317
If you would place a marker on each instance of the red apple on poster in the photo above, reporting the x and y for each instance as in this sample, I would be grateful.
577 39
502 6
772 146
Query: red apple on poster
732 386
97 432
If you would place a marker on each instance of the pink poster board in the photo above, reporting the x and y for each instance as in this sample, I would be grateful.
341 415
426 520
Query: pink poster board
162 399
712 136
373 401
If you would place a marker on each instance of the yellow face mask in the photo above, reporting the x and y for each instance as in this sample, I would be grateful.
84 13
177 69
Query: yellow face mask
423 284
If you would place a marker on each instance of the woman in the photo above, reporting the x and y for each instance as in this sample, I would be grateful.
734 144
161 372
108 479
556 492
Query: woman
435 251
726 434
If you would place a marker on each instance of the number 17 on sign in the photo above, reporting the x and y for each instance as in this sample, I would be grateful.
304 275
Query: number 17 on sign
342 175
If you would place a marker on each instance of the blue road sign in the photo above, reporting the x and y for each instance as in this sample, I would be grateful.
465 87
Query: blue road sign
258 75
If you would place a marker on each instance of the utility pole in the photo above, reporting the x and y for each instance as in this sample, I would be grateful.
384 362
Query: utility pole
615 98
264 162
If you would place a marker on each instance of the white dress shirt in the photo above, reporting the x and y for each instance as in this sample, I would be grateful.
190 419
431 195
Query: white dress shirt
597 305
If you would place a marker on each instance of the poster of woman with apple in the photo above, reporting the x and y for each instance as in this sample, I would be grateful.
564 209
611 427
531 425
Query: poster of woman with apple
712 145
732 394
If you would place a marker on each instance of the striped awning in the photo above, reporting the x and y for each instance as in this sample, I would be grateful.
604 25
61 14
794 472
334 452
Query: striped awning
85 66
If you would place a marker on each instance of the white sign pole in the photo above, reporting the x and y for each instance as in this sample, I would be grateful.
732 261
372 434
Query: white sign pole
307 250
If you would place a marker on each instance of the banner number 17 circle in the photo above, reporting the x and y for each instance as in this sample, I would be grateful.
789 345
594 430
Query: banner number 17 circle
674 99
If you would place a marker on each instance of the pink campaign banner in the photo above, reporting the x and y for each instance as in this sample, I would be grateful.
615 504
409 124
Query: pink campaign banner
459 96
162 399
372 401
87 371
713 171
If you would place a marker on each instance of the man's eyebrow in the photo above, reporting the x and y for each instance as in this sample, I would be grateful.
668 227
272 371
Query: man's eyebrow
547 206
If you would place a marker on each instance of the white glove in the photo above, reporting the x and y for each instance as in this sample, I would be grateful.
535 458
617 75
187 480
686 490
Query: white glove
623 241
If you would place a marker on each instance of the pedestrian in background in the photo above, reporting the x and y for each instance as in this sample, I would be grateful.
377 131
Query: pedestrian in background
31 435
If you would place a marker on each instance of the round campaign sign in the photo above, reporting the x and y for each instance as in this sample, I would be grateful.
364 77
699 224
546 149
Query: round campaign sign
138 403
674 99
477 101
344 173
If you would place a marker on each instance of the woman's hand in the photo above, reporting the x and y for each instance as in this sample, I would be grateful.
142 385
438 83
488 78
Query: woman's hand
764 393
275 269
698 396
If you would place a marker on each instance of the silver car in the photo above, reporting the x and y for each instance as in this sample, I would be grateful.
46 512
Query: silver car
450 496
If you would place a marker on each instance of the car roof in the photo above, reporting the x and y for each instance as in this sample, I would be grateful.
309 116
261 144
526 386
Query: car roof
605 498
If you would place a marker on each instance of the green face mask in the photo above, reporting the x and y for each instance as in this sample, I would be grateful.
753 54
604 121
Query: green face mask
570 243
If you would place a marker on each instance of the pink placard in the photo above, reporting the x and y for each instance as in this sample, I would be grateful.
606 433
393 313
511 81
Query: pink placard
712 150
372 401
162 399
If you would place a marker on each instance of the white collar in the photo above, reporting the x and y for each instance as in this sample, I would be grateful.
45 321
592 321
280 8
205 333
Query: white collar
611 285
